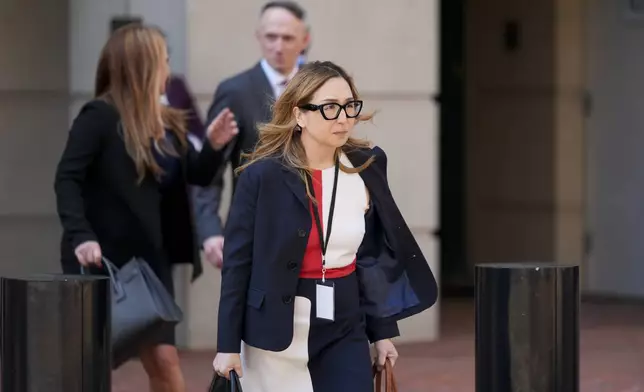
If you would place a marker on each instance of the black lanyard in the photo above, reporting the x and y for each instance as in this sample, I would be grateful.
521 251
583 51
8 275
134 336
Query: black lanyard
316 215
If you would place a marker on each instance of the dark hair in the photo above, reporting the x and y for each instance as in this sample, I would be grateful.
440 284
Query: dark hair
290 6
127 76
122 21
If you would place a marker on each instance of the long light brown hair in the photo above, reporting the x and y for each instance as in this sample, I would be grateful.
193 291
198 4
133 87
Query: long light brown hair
128 77
279 138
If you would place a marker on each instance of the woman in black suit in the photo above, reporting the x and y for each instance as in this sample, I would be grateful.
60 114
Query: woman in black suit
121 183
318 260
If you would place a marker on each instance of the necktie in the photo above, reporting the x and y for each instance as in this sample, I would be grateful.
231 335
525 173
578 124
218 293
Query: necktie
281 86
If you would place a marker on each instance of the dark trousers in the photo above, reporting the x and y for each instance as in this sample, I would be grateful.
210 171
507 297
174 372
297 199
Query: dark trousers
339 358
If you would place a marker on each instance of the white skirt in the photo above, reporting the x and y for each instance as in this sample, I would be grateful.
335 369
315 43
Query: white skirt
283 371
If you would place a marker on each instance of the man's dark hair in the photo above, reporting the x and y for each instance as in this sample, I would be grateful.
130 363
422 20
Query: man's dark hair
290 6
122 21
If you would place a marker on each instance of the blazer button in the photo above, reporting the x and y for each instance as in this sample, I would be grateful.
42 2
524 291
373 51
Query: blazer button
301 233
291 265
287 299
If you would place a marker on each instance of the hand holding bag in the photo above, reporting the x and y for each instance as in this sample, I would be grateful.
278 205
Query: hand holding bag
221 384
141 308
388 374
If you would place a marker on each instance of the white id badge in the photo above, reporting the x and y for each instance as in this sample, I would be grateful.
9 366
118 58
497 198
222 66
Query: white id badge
325 300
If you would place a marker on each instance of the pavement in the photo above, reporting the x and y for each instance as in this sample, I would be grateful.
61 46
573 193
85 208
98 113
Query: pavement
611 345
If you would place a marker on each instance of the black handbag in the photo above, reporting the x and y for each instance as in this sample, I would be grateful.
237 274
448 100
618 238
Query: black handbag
141 308
221 384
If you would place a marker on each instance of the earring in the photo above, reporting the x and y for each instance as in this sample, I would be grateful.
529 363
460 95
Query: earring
297 128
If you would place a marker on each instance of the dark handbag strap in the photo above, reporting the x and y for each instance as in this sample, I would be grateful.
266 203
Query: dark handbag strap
233 382
112 271
109 266
388 373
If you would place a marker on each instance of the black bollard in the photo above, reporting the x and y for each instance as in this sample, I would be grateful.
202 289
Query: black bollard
527 328
55 334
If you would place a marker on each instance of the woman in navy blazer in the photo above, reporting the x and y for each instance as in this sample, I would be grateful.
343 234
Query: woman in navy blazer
318 260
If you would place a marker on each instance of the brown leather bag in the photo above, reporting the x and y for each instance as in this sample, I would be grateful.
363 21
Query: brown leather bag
388 373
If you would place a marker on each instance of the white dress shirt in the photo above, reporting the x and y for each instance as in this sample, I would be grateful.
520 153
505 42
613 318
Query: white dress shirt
276 79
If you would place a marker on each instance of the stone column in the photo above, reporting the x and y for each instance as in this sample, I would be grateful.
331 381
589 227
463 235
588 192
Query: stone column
33 102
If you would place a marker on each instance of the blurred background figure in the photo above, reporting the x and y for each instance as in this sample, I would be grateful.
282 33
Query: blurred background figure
178 96
282 35
177 93
121 181
204 211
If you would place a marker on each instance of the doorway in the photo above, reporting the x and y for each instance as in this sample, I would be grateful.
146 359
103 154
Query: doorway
451 102
614 125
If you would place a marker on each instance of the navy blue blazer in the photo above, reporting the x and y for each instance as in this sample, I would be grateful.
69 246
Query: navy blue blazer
266 236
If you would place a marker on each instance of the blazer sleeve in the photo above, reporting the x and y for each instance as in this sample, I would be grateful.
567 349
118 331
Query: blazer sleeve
203 165
381 161
204 202
84 143
377 328
380 329
206 215
238 257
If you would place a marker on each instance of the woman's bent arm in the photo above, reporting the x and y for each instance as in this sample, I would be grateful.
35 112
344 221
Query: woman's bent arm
83 145
202 166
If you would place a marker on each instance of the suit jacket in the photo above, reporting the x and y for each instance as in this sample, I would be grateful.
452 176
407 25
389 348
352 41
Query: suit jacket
266 237
249 96
99 199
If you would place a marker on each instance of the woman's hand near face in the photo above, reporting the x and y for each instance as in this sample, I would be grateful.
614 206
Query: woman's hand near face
222 129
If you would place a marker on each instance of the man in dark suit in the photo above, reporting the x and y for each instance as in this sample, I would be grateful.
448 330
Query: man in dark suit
282 35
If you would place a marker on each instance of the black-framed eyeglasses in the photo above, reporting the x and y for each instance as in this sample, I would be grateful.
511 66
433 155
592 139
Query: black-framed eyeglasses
331 110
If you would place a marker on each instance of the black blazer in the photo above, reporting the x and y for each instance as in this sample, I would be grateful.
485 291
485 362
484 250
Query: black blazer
266 237
99 199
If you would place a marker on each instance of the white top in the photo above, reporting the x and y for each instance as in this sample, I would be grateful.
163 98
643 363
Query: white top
348 226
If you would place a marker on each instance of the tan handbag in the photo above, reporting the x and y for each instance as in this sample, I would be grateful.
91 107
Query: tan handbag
388 374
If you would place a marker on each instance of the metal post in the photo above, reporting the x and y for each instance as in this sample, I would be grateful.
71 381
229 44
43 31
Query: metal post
55 334
527 328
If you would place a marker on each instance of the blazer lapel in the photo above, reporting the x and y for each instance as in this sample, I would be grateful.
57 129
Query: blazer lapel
373 178
296 185
264 92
